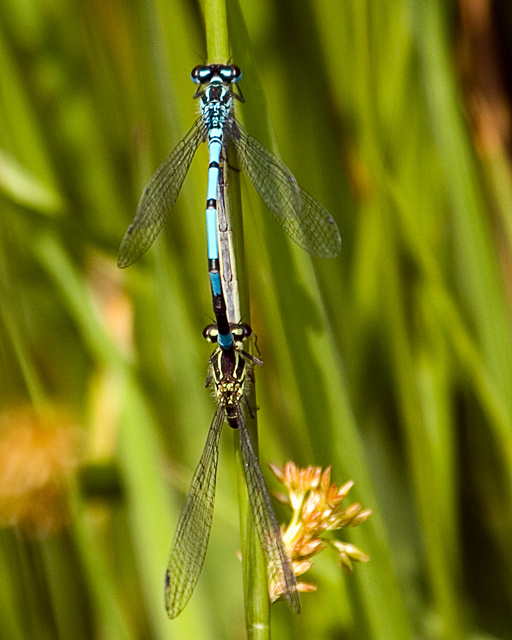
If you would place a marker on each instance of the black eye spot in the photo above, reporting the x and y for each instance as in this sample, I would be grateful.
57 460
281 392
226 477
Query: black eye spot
200 74
195 74
236 73
242 331
211 333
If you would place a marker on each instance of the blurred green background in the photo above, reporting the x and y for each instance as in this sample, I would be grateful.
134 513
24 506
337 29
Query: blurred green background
393 362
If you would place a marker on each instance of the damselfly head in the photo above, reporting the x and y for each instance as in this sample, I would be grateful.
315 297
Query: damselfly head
240 332
229 73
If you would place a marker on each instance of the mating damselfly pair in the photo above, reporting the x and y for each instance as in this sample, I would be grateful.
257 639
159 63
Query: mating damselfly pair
306 222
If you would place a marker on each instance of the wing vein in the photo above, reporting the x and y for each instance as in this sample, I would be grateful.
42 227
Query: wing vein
159 196
265 521
188 550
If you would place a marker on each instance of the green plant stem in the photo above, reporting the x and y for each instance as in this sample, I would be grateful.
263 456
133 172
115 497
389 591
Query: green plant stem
217 41
257 606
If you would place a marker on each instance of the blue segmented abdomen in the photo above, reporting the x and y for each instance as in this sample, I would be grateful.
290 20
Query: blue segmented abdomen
211 231
215 137
215 148
215 283
215 142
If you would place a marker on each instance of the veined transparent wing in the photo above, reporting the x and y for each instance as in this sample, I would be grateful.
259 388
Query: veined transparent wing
269 533
188 549
305 220
159 197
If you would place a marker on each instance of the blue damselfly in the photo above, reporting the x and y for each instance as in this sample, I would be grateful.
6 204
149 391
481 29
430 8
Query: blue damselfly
304 219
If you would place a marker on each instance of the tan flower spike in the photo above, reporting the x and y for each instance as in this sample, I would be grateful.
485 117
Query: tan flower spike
316 506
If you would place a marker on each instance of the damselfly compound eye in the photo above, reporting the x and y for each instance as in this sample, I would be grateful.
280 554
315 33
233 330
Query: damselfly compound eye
211 333
201 74
241 331
236 73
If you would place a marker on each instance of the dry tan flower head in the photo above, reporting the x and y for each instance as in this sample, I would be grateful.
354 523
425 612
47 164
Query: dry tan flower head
316 509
